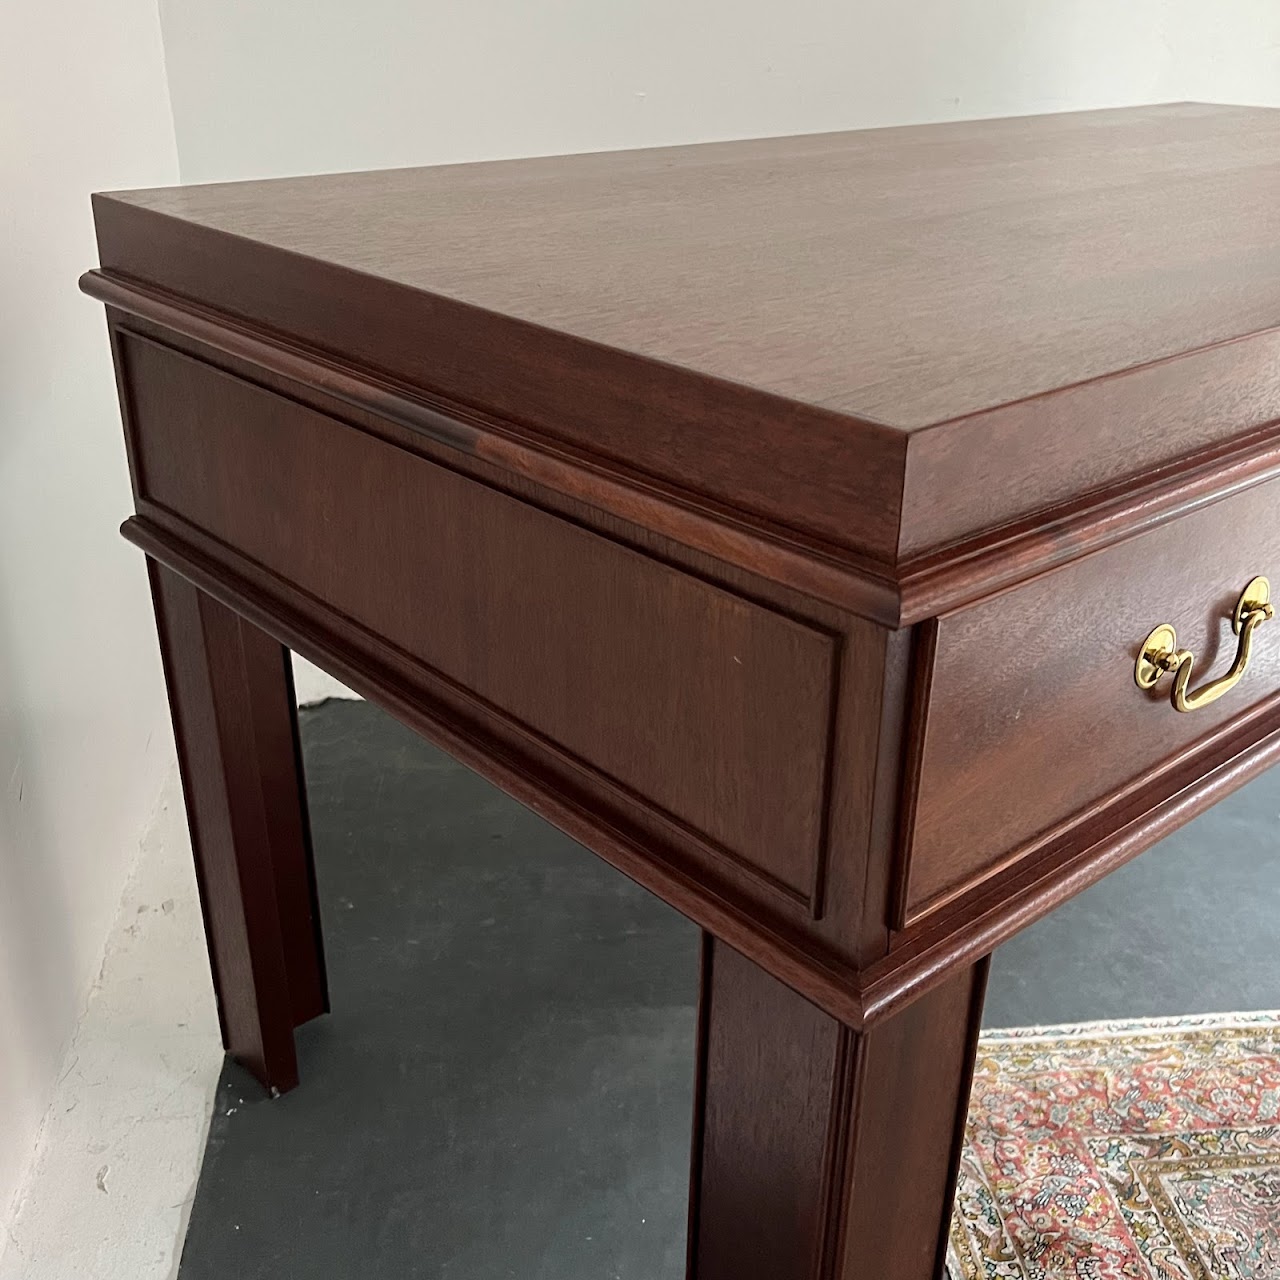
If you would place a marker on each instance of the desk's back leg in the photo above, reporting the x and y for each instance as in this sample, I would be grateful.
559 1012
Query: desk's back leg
231 697
820 1153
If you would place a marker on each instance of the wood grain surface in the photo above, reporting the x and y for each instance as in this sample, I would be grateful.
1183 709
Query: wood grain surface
863 898
231 694
907 275
820 1154
1036 685
888 340
620 660
703 507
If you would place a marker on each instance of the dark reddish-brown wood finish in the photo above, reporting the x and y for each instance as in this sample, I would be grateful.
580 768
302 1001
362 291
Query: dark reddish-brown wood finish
489 593
807 592
1020 674
826 1154
231 693
736 319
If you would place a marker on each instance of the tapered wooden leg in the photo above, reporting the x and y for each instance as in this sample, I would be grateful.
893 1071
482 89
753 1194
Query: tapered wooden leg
231 697
819 1153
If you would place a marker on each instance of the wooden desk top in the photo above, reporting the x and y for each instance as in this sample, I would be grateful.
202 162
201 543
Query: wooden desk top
887 341
902 275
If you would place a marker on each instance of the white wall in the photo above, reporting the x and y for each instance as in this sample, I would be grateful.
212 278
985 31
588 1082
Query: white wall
84 742
272 89
310 684
1231 52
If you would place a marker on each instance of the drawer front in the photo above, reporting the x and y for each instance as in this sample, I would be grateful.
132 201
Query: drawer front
698 703
1032 720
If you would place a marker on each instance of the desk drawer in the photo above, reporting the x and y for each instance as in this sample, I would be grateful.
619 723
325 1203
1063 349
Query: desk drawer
1033 723
694 703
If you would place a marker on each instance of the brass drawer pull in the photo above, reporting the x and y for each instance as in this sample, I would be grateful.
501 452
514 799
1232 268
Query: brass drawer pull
1160 653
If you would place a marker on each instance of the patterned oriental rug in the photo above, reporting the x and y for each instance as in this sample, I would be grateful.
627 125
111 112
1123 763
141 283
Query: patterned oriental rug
1124 1151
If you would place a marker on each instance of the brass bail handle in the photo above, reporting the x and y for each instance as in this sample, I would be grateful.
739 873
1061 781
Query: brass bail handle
1160 653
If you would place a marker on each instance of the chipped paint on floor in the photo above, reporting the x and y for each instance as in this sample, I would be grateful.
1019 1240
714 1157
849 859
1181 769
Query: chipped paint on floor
112 1180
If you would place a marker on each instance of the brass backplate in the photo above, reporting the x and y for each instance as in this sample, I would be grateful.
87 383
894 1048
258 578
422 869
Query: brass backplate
1255 596
1159 644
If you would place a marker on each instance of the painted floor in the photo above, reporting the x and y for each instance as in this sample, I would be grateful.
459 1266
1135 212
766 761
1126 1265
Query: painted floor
503 1089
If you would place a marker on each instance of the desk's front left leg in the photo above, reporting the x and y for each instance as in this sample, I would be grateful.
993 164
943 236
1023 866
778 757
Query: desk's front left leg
231 697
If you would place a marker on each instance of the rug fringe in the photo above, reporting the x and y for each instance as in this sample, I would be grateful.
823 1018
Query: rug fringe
1131 1026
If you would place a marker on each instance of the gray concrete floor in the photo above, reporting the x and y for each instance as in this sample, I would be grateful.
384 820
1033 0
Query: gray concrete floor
504 1087
1190 926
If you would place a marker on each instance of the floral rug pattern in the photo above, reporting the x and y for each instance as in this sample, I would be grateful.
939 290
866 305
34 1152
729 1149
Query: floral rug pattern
1123 1151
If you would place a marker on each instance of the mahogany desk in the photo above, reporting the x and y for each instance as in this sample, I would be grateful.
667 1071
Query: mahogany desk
782 519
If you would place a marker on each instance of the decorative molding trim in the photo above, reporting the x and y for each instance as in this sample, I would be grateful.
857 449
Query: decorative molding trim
366 665
806 891
936 582
826 573
1004 904
923 956
920 688
1000 560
